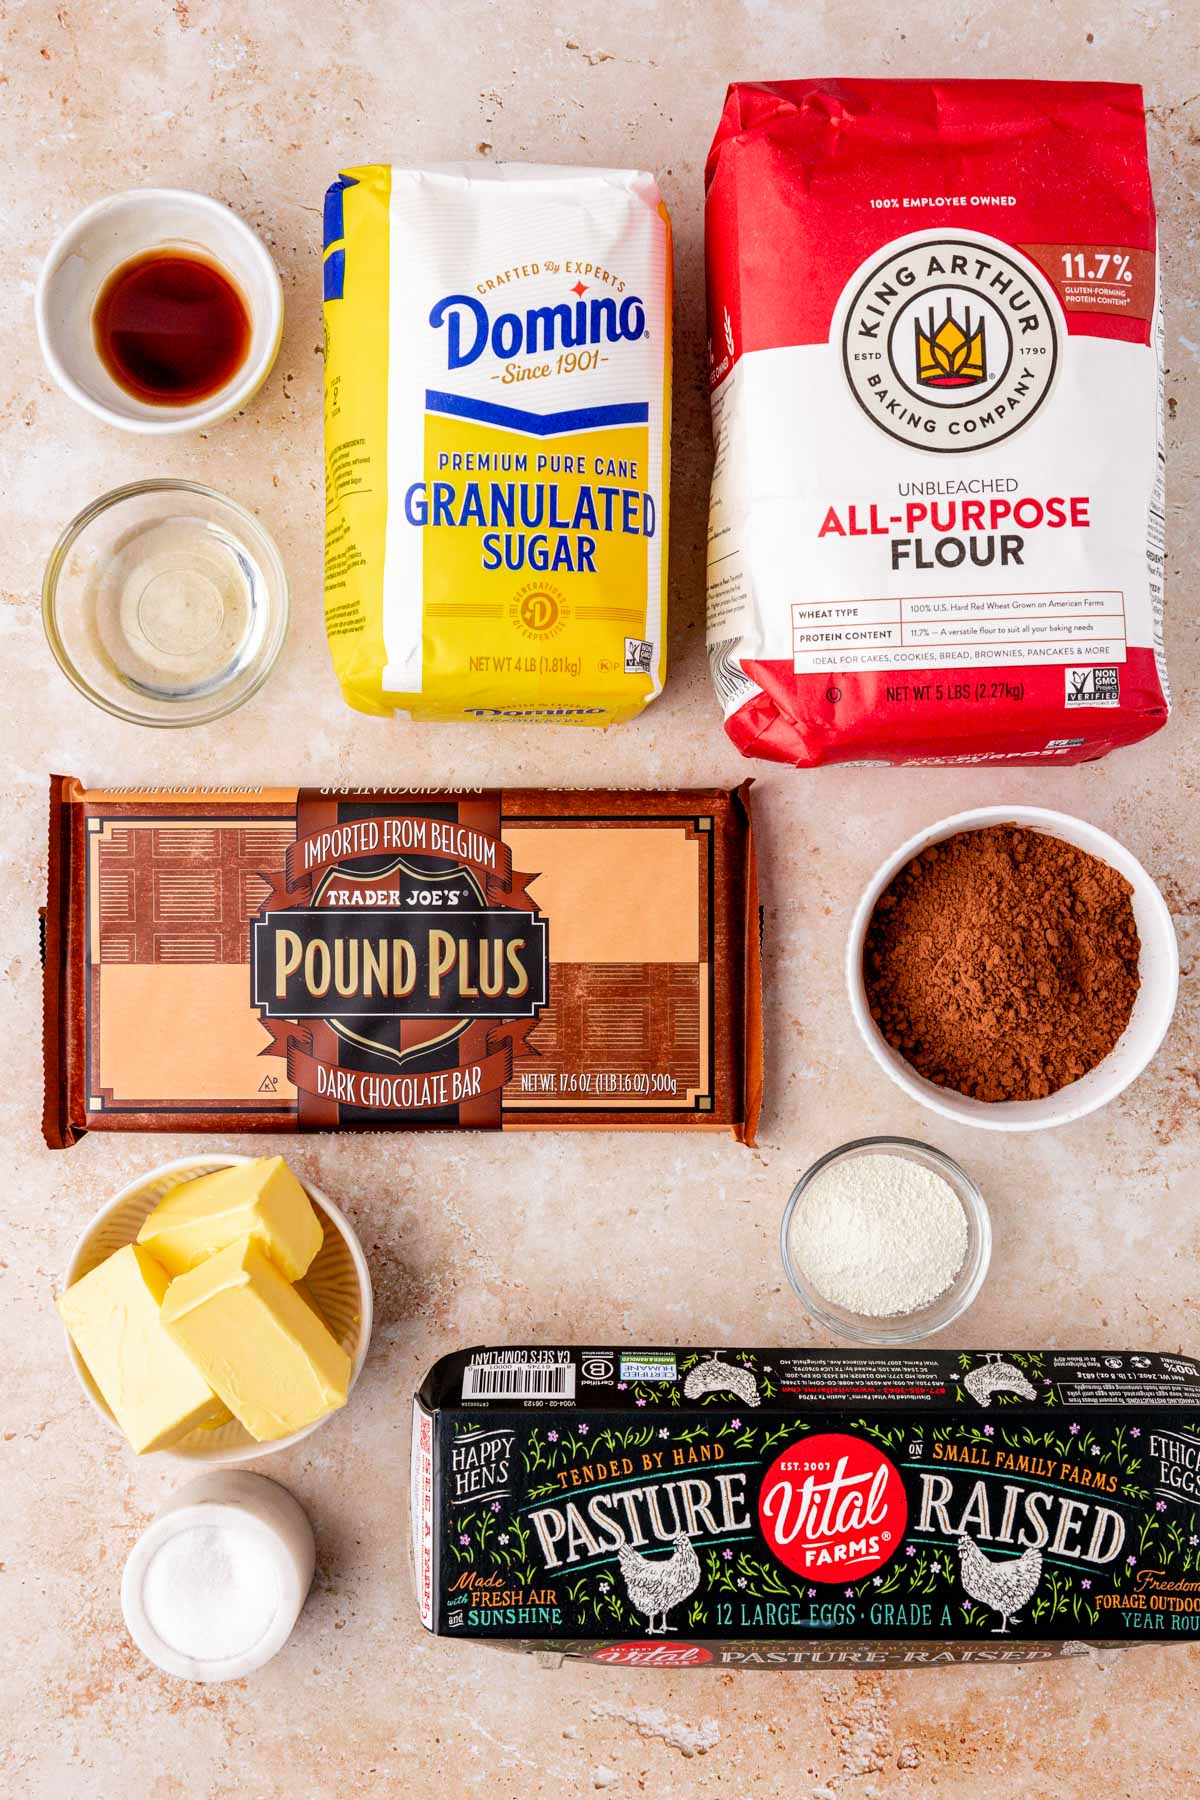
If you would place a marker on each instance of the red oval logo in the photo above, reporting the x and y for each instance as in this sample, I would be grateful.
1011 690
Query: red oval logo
654 1656
832 1507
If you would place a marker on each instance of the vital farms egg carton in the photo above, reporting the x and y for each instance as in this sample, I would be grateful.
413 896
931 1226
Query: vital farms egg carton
724 1508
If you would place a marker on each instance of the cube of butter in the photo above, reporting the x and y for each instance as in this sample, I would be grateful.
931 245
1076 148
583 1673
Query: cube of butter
275 1364
261 1200
152 1387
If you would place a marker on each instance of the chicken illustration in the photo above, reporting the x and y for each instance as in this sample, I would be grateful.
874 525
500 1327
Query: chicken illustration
655 1587
1004 1585
997 1377
716 1377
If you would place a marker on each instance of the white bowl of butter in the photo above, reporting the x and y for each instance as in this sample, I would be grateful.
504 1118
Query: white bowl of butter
337 1284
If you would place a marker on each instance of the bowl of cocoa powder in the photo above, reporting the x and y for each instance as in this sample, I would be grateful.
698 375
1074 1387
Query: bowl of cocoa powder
1012 967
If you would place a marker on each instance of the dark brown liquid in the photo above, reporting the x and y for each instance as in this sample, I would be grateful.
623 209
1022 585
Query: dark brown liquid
171 328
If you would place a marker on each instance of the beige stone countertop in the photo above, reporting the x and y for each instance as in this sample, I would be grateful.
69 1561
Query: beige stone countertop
656 1237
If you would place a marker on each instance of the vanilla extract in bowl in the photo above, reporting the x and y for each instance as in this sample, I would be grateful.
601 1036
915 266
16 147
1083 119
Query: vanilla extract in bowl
171 327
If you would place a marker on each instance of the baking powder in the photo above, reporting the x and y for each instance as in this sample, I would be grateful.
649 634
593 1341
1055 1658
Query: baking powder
878 1234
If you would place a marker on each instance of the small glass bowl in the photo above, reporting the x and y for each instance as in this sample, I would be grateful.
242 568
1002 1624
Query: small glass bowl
165 603
898 1328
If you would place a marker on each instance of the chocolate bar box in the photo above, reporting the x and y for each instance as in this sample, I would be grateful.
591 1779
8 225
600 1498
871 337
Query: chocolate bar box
737 1508
333 959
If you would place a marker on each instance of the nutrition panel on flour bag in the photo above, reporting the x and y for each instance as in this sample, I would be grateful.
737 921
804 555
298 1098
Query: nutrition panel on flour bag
497 430
935 345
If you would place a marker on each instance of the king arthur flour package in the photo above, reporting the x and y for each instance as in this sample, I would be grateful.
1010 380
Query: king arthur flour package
937 507
497 432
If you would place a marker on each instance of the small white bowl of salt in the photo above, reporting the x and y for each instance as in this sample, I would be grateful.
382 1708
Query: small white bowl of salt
214 1586
886 1240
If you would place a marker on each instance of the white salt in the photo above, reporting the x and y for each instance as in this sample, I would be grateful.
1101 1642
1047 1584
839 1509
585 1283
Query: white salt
210 1592
878 1234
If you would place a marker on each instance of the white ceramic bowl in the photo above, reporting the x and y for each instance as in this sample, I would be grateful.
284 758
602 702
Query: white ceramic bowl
109 234
249 1506
338 1280
1152 1010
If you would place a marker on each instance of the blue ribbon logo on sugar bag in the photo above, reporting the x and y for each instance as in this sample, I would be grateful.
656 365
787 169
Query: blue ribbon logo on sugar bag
514 418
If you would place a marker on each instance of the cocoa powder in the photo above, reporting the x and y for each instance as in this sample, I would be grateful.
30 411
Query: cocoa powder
1003 963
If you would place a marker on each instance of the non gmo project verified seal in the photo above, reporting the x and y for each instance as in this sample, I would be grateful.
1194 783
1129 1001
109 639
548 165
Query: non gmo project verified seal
638 652
1093 687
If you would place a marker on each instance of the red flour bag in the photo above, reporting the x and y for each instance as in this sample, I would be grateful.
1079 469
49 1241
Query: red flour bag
935 342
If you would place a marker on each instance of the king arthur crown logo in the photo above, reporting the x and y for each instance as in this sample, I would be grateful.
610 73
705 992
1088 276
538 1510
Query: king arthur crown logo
950 354
949 343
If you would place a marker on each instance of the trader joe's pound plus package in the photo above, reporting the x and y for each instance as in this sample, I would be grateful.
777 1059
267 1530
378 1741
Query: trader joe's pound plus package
497 431
717 1508
360 959
935 341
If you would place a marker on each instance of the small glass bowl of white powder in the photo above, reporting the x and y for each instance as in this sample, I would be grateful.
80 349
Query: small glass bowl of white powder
886 1240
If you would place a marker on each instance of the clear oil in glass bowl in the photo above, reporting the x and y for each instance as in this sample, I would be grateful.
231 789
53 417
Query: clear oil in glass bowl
165 603
179 607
